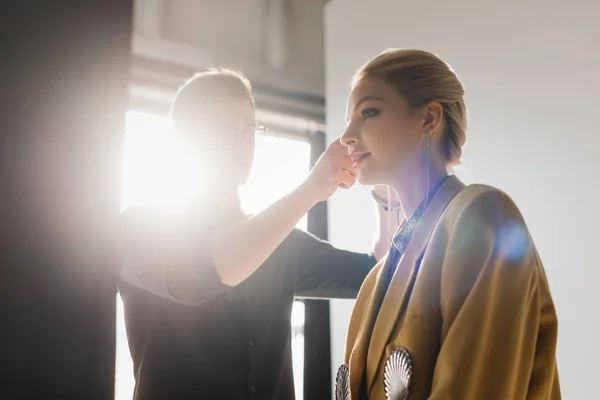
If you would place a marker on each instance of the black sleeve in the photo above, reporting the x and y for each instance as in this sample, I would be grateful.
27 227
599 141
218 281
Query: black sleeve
167 258
322 271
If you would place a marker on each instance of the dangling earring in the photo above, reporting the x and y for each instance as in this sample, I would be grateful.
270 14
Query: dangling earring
389 217
427 167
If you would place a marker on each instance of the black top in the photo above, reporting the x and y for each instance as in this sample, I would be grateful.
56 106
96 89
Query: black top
234 342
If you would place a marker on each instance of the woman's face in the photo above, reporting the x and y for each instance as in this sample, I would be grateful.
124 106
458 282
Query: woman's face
384 135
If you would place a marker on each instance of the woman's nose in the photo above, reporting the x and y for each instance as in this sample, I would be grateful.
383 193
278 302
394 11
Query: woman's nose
348 139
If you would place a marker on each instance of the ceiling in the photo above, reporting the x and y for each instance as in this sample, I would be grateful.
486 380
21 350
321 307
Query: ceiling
277 43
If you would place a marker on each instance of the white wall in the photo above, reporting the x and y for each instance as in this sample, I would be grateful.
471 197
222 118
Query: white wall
532 75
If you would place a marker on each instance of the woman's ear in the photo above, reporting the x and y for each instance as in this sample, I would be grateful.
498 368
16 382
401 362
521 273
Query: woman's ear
434 116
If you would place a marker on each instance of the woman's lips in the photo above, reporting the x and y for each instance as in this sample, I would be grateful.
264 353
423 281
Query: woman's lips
358 157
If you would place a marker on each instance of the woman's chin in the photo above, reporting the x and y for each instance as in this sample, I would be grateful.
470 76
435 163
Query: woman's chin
364 178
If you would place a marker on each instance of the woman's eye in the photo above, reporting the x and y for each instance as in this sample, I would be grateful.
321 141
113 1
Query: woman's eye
370 112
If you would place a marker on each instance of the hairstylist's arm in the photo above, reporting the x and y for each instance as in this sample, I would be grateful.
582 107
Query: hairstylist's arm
323 271
238 251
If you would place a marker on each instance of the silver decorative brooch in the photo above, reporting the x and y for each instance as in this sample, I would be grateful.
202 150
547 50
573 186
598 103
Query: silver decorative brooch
342 383
397 374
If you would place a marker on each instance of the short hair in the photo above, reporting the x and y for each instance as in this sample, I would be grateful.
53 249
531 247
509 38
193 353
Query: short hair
204 88
422 77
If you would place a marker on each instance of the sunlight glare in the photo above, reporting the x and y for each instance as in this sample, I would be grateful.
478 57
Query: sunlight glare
156 171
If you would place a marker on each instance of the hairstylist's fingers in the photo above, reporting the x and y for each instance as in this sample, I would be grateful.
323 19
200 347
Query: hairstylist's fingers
337 147
340 159
347 165
346 179
337 151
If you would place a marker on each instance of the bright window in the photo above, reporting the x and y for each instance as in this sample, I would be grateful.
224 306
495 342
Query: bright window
150 175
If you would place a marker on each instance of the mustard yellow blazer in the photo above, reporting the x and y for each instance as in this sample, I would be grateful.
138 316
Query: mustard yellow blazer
477 322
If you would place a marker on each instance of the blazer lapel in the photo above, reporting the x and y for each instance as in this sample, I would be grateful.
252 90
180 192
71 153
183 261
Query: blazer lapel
358 353
389 314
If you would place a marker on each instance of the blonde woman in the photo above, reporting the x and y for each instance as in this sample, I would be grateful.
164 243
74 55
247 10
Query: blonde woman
461 308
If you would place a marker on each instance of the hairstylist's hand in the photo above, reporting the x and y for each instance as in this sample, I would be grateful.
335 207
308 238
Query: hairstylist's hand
333 170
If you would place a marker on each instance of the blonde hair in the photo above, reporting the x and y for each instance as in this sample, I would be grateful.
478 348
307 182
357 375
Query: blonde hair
422 77
204 88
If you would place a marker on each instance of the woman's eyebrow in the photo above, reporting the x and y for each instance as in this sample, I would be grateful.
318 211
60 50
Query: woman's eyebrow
362 100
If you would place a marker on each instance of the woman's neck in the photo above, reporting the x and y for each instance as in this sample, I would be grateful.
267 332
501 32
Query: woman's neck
411 186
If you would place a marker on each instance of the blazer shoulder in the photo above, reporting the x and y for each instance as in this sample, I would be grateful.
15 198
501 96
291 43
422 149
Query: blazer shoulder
482 218
486 204
486 236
